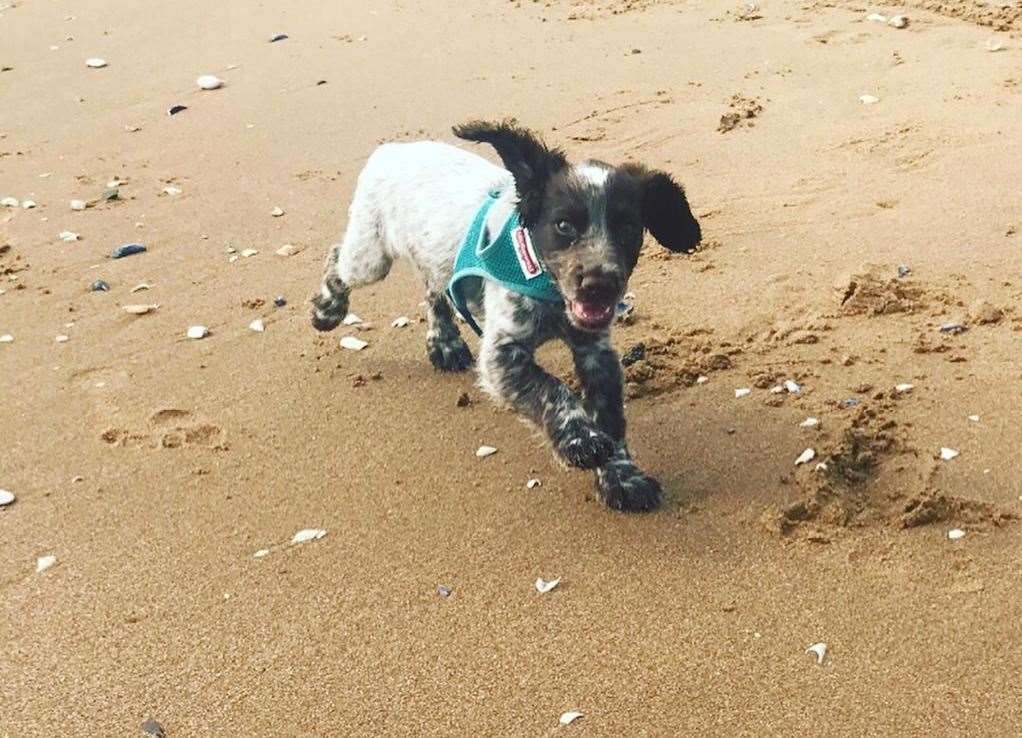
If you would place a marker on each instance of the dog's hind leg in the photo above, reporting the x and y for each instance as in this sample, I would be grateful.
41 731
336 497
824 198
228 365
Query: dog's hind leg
360 259
445 347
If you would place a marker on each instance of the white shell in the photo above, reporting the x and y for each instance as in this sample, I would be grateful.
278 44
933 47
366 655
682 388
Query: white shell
9 202
209 82
44 562
307 534
139 309
28 204
249 252
533 483
974 418
792 386
95 62
869 99
743 392
400 322
140 287
289 249
171 190
69 236
809 423
948 453
78 204
277 212
876 18
776 390
955 534
62 338
6 498
483 451
568 718
7 338
898 21
822 467
702 379
903 388
543 586
819 650
352 319
994 44
806 456
353 344
197 331
257 325
261 553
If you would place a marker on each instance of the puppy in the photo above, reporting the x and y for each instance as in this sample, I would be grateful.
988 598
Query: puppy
575 232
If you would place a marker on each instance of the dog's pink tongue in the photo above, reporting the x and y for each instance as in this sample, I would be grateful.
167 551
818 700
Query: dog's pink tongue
590 312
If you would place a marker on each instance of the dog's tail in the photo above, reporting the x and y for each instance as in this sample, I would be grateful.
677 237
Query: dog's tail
331 304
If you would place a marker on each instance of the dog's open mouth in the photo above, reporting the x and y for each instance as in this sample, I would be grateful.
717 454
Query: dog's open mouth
592 315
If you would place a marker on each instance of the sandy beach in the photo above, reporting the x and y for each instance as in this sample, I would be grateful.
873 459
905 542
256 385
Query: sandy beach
857 185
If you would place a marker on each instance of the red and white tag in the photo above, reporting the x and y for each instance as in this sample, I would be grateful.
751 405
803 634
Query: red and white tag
525 254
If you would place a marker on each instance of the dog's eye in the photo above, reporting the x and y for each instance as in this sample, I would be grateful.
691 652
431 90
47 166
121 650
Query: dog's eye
566 229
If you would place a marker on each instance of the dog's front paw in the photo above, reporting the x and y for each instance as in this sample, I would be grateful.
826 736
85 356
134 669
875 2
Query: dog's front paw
622 486
449 355
583 445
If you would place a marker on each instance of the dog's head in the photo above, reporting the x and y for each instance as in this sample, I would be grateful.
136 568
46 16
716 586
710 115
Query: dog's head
587 220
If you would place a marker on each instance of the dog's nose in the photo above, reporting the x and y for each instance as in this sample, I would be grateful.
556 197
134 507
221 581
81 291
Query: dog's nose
597 285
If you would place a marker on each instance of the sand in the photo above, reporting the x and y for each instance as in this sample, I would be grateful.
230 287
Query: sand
154 467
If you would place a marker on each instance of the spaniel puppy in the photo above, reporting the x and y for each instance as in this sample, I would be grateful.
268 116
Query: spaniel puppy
536 250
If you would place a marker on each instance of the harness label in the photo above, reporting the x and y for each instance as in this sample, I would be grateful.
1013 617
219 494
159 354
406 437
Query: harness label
525 254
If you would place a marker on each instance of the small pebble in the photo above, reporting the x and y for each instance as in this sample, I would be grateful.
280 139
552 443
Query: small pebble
543 586
7 338
79 204
280 301
904 271
44 562
568 718
62 338
277 212
99 286
876 18
994 44
974 418
128 249
140 309
351 319
10 202
209 82
400 322
953 329
153 729
307 534
819 650
533 483
277 37
196 332
95 63
289 249
947 454
443 591
869 99
175 109
69 236
903 388
792 387
743 392
805 457
28 204
6 498
171 190
261 553
898 21
851 402
483 451
249 253
955 534
353 344
257 325
702 379
809 423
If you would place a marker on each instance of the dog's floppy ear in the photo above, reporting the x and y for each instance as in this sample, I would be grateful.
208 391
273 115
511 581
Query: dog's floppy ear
665 211
528 159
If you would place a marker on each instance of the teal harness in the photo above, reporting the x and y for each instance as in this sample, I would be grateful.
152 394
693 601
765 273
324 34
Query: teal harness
509 259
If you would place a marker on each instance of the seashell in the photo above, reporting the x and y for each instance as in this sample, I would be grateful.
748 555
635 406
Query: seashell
140 287
955 534
483 451
127 249
7 338
946 454
277 212
777 389
974 418
904 271
809 423
903 388
994 44
257 325
209 82
27 204
953 329
95 62
249 253
869 99
306 535
140 309
196 332
351 319
289 249
69 236
353 344
175 109
792 387
743 392
152 729
444 591
543 586
261 553
10 202
62 338
805 457
876 18
44 562
898 21
819 650
702 379
277 37
400 322
6 498
79 204
533 483
568 718
171 190
280 301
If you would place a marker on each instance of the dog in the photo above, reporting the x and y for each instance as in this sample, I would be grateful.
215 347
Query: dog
577 227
